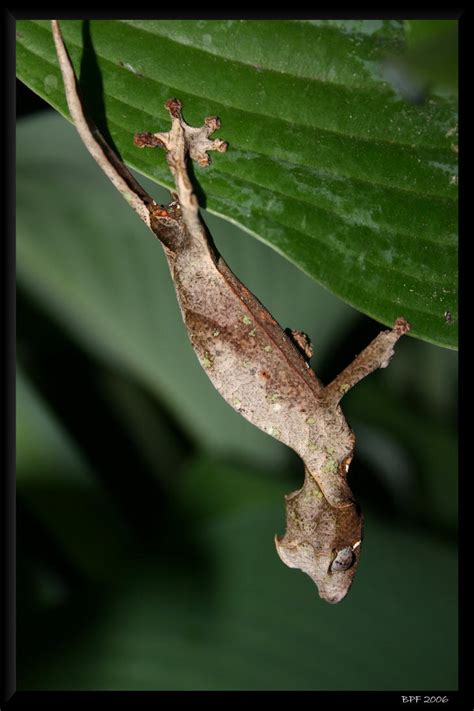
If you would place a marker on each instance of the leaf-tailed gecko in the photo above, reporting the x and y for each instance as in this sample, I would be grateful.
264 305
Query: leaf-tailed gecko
259 369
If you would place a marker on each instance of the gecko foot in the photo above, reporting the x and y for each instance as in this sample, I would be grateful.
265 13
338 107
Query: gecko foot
196 140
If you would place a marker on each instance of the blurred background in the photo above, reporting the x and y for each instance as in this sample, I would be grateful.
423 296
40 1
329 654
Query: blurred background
147 507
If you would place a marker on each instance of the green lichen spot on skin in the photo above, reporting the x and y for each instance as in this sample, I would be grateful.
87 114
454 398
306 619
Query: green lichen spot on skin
247 320
312 446
237 404
252 333
330 466
206 361
310 421
274 397
268 349
344 387
216 333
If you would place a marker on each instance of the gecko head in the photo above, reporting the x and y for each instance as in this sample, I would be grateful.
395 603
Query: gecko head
331 571
322 541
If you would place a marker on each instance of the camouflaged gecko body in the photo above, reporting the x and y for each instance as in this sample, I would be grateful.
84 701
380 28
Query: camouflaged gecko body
261 372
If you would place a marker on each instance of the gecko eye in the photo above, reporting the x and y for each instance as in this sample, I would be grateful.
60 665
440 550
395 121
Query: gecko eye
343 560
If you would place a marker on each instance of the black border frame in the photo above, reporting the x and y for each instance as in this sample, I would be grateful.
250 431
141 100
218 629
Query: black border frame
10 698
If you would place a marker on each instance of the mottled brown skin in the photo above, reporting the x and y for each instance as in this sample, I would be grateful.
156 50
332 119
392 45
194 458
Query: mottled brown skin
262 372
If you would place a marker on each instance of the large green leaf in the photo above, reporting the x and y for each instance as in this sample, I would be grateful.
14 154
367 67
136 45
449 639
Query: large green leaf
327 164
